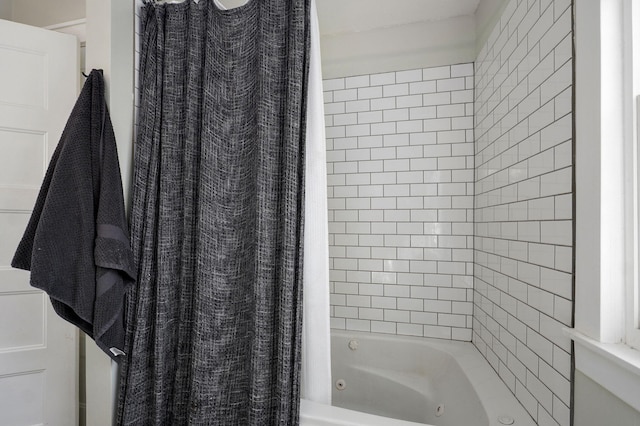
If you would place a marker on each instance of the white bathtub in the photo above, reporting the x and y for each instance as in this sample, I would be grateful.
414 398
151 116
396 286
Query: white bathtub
403 381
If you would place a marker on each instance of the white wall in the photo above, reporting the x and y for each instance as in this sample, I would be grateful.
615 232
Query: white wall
408 46
523 231
110 47
487 16
595 406
42 13
6 9
400 175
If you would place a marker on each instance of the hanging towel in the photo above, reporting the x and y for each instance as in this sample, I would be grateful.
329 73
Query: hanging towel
76 244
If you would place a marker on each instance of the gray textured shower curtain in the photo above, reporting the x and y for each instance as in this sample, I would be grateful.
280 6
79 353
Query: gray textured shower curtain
214 322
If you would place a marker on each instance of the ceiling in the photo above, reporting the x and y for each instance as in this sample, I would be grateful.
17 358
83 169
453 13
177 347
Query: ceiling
348 16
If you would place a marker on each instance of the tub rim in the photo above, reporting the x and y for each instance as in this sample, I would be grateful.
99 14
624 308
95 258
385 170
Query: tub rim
495 397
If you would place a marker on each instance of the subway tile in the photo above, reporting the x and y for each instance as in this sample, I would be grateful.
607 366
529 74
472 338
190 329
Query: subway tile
411 126
358 130
438 332
453 110
383 153
396 315
450 84
346 311
358 325
333 84
559 81
383 79
555 183
398 265
409 329
370 289
397 290
563 103
358 301
358 154
558 232
373 241
383 327
556 34
540 392
409 151
371 314
409 101
369 141
410 279
424 317
562 310
345 95
335 132
372 166
382 103
463 123
427 138
457 137
423 241
384 228
421 138
556 282
461 96
423 189
421 113
417 292
358 81
441 98
422 87
346 288
540 28
442 72
452 320
408 76
367 264
394 90
334 108
395 165
345 143
400 114
559 131
383 302
370 92
410 177
436 124
338 299
356 179
368 117
436 176
383 128
452 163
410 228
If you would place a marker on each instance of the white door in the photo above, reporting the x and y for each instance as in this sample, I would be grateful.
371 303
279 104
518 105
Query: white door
38 351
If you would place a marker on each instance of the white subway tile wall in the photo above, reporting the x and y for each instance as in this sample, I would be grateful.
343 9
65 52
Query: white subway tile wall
523 205
400 155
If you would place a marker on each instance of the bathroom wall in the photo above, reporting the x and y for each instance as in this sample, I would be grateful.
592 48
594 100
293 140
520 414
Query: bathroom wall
42 13
523 205
400 174
596 406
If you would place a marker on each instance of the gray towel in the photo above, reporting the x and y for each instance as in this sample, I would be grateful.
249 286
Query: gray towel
76 244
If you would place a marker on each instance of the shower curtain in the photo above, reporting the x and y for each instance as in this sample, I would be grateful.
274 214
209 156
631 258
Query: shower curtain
214 322
316 340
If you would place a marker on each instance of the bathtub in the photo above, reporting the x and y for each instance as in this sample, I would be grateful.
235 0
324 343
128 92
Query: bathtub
382 380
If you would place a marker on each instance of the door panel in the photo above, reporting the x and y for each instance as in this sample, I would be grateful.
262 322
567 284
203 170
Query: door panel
38 350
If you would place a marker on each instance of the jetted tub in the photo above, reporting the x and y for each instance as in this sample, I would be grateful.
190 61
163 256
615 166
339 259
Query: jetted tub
382 380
